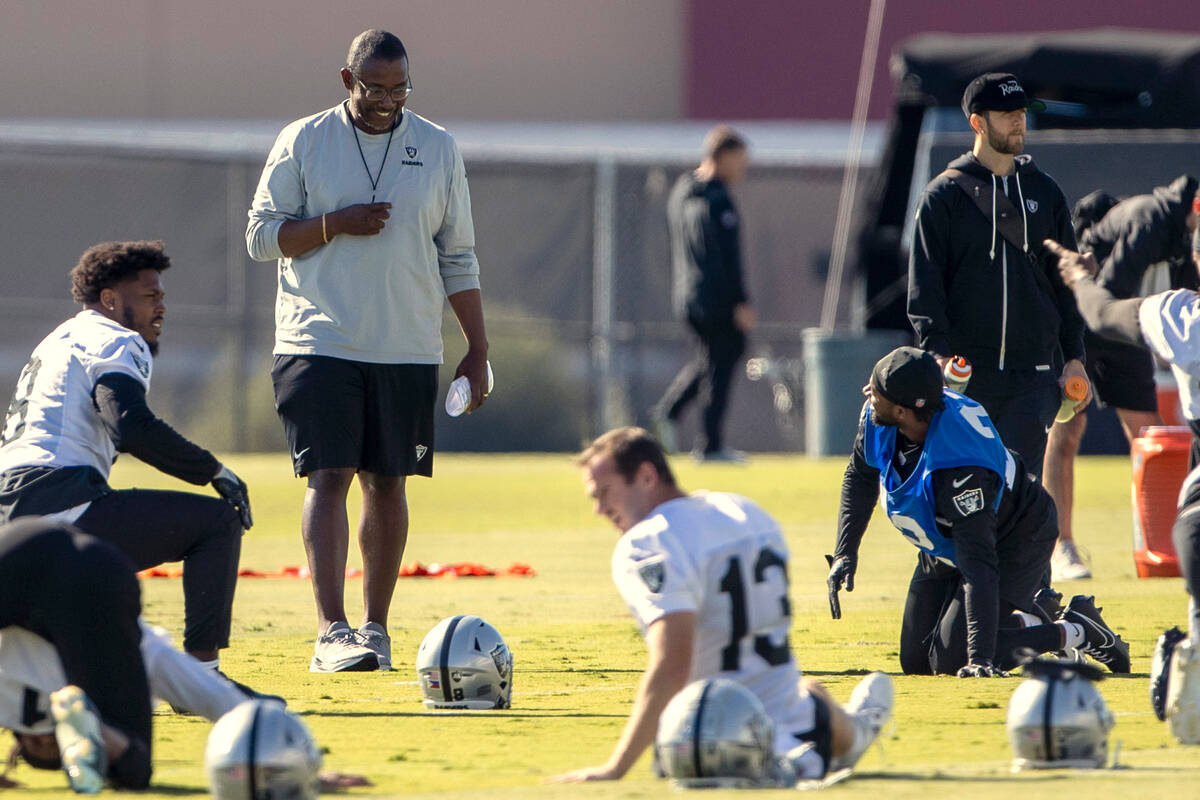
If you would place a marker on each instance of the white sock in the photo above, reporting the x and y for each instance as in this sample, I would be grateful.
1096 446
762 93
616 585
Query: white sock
1072 633
1193 620
1028 620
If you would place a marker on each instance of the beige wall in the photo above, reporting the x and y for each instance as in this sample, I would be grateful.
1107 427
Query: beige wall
273 59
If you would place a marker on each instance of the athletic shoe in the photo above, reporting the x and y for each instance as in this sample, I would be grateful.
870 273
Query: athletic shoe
1066 564
1048 603
724 455
77 731
375 637
1099 641
339 649
870 707
666 431
1160 670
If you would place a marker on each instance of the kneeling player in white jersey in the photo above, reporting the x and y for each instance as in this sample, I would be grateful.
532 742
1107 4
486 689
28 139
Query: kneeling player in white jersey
80 400
705 575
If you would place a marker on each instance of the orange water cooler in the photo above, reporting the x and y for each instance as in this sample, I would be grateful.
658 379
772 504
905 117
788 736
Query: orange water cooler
1160 457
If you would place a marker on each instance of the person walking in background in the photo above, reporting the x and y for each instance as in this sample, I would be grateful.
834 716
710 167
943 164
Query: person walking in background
366 207
709 291
1131 237
981 285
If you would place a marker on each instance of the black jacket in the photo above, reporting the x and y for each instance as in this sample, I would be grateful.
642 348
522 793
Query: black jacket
1141 231
705 249
972 293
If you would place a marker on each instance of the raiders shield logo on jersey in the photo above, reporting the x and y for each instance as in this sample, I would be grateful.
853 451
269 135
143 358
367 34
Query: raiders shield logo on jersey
969 502
653 575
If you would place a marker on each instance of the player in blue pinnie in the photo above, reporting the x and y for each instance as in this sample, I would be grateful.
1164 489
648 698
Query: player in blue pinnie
985 529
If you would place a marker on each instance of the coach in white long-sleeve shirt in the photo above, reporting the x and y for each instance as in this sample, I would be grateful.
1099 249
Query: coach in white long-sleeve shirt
366 207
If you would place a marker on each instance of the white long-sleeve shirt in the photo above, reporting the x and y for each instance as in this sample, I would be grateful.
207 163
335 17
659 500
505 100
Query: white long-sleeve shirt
366 298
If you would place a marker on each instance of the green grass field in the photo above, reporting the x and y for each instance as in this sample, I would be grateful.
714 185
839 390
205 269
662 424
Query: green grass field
579 656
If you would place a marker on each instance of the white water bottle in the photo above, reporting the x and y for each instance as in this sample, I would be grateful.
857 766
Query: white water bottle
459 395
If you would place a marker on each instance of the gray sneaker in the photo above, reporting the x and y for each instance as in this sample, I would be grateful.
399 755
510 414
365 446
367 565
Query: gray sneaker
77 731
1067 563
666 431
375 637
726 455
339 649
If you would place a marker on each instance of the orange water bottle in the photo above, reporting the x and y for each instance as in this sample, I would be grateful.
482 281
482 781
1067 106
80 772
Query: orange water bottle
957 374
1074 390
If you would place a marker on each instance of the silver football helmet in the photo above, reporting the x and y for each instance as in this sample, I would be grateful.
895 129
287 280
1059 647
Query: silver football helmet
261 751
1057 718
716 732
464 663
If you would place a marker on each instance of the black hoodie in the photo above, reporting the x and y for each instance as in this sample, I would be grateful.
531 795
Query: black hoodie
972 293
1140 231
706 249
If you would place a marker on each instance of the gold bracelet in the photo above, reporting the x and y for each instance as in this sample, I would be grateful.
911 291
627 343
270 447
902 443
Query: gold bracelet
324 233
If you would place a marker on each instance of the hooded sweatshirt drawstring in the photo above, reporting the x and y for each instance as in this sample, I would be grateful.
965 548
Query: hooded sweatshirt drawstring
1024 218
992 252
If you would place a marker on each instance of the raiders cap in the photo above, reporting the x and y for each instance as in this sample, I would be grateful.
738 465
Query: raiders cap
997 91
909 377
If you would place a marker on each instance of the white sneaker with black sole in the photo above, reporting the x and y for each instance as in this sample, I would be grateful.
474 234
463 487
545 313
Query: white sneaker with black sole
80 745
870 708
341 649
375 637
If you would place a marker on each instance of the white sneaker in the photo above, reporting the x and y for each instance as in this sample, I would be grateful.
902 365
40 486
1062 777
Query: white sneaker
1066 564
726 455
77 731
339 649
870 708
376 638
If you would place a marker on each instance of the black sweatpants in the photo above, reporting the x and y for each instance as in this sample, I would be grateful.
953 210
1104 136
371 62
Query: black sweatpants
152 527
1186 536
1021 405
718 346
82 596
933 634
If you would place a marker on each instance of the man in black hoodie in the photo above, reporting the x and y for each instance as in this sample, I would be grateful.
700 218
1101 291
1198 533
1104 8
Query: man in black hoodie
1135 234
709 293
980 283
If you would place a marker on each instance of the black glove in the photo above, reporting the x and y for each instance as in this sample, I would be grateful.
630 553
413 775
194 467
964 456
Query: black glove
841 571
981 669
233 490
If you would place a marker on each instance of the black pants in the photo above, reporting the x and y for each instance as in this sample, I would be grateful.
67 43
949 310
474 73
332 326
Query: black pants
82 596
1021 405
718 346
933 634
1186 537
152 527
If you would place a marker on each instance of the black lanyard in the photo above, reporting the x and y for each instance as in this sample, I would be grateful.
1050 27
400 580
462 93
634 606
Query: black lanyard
374 181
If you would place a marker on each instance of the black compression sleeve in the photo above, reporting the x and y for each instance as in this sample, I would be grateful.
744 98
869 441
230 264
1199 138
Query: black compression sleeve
965 497
860 490
1107 316
121 401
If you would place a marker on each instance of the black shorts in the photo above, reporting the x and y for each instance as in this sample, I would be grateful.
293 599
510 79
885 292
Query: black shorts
338 413
1122 375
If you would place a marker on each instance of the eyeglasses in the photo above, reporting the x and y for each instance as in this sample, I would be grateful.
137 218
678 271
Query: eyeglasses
375 94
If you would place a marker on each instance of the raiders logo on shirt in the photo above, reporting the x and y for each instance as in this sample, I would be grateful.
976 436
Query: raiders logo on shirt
653 575
969 502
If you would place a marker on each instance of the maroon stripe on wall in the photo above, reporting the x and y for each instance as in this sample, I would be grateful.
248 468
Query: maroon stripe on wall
799 59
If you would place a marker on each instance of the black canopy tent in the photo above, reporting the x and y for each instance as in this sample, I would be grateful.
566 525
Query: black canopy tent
1103 78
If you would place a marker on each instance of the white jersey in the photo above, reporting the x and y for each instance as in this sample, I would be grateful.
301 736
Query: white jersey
52 421
1170 324
30 670
723 558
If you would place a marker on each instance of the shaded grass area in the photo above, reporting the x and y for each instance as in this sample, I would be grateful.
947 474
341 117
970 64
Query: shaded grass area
579 657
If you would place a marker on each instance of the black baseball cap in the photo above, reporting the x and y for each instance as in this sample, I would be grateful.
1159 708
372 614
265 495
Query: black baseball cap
997 91
909 377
